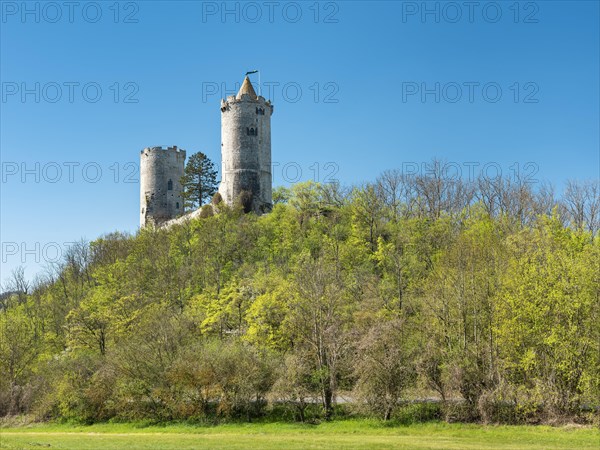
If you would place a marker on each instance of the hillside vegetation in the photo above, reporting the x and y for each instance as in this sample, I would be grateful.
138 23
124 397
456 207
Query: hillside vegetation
483 297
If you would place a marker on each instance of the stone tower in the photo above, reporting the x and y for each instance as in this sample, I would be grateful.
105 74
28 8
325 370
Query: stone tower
246 149
160 188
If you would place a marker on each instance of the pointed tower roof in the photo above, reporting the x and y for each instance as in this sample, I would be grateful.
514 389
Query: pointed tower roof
247 88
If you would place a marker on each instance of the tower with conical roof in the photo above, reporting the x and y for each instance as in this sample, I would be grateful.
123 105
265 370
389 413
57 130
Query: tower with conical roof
246 150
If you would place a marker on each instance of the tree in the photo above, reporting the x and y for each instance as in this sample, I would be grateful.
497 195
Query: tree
296 385
384 367
199 181
317 318
581 203
19 348
18 284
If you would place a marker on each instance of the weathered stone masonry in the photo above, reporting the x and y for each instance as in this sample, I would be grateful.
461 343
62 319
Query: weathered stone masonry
246 148
161 198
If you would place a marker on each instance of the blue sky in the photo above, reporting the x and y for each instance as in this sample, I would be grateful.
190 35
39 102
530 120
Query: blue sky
358 88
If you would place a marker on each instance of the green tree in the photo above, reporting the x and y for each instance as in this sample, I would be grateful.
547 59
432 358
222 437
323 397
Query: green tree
199 181
548 309
18 350
317 318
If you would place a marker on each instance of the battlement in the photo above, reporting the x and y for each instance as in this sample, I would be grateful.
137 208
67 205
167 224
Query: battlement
246 100
163 148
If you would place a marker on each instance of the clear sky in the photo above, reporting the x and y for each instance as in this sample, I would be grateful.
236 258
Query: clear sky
358 87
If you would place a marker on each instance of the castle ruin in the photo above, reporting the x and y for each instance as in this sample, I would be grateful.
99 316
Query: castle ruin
246 149
245 162
161 193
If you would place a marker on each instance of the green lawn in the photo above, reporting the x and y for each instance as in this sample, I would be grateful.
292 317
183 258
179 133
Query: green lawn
341 434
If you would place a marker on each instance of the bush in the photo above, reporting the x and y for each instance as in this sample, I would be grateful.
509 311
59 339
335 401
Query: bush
77 387
217 199
418 412
223 378
207 211
245 200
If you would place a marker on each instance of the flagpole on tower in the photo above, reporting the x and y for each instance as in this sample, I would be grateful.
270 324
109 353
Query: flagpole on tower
250 72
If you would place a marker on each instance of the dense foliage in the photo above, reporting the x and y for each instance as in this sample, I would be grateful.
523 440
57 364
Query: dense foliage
483 297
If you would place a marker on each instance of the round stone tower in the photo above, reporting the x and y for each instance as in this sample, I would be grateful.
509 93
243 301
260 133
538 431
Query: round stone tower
246 149
161 198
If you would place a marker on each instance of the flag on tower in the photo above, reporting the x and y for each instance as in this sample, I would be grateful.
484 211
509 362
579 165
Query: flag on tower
251 72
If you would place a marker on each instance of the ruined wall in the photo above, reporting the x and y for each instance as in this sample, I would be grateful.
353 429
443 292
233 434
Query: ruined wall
246 150
160 188
266 179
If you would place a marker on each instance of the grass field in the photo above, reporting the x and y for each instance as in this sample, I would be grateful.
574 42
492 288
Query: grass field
341 434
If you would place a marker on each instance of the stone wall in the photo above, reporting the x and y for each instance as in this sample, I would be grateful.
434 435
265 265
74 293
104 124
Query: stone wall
161 198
